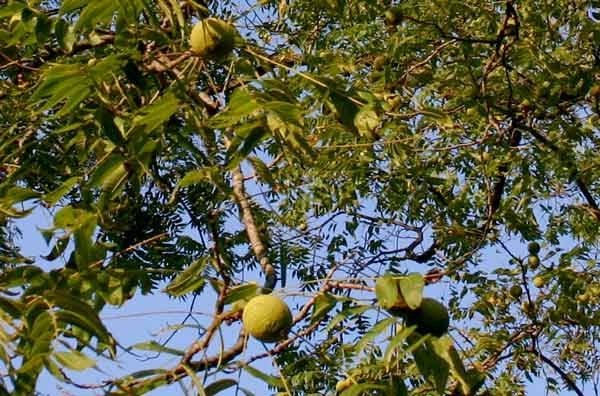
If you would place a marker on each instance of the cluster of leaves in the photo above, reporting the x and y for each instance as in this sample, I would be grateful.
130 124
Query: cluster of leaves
332 145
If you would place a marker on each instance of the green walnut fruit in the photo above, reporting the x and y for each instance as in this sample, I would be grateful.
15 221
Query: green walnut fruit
533 261
527 307
555 315
213 38
267 318
516 291
379 62
430 318
539 282
533 248
392 17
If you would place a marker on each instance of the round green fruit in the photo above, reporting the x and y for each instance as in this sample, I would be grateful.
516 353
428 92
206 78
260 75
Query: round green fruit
392 17
527 307
555 315
539 282
379 62
533 248
516 291
267 318
430 318
213 38
533 261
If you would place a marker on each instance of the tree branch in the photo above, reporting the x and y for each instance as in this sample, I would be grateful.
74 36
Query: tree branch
572 385
575 173
256 243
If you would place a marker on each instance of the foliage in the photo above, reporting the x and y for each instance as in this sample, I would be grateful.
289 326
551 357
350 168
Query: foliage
340 140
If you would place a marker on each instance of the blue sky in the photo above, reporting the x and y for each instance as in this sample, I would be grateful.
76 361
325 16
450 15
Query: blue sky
152 317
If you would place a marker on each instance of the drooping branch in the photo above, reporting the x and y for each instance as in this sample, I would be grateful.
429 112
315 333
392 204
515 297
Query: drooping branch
565 377
575 173
258 247
495 197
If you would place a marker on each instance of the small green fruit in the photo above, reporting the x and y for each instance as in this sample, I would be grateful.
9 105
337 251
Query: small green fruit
539 282
392 17
555 315
527 307
533 261
533 248
379 62
430 318
213 38
267 318
516 291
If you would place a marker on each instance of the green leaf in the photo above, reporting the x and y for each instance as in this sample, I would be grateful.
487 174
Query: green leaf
324 302
78 312
74 360
254 133
18 195
435 369
269 379
11 307
242 292
65 35
468 380
346 314
96 12
195 380
109 174
54 196
287 112
360 389
411 287
42 333
68 6
152 116
395 343
193 177
58 249
219 386
345 109
69 218
387 292
397 387
241 104
373 332
53 369
62 83
191 279
13 7
154 346
106 121
43 28
262 171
